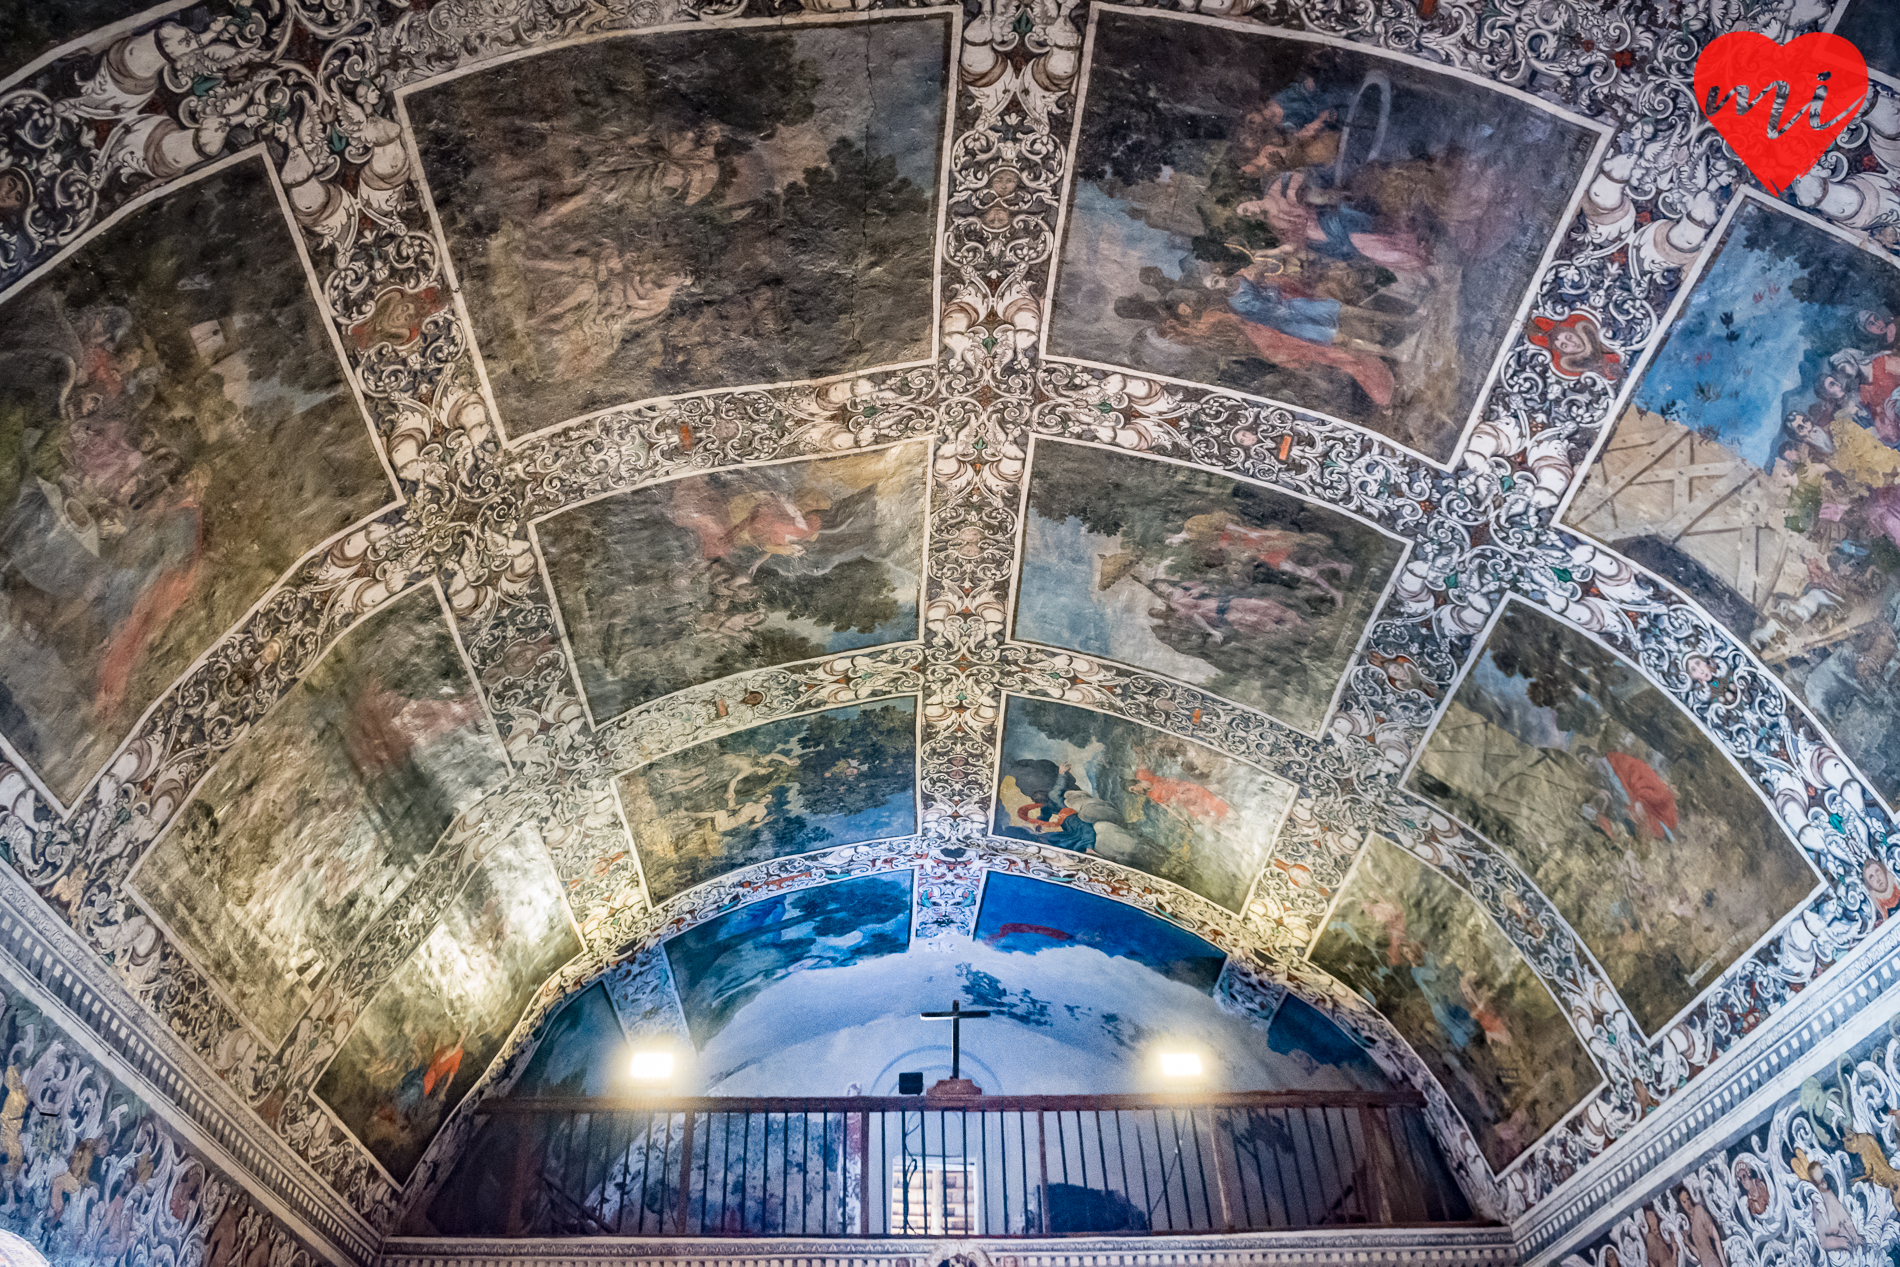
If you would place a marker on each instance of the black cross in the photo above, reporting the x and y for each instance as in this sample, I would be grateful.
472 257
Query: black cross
956 1016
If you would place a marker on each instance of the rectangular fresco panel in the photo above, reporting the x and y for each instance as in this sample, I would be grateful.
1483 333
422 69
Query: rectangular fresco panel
659 213
1025 915
1644 837
1758 466
435 1025
1236 588
698 578
827 778
719 966
1421 951
306 831
1346 233
1078 779
175 430
1873 26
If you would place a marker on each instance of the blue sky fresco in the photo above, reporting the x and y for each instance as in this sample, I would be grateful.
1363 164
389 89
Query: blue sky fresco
722 964
1024 915
1738 353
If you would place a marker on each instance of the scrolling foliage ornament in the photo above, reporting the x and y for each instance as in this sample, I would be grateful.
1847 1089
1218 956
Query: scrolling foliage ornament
312 83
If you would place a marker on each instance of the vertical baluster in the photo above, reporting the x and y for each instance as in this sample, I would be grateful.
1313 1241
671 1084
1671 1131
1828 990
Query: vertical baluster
1042 1150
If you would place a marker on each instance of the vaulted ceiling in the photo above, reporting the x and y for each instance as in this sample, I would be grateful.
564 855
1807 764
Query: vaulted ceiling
506 503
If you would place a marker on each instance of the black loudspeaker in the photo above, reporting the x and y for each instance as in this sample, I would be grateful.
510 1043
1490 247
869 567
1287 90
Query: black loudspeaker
910 1084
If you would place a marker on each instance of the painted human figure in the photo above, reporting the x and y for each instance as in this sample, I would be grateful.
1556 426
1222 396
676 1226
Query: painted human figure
1832 1223
1658 1251
12 1120
77 1176
1754 1189
1190 798
1705 1239
1882 889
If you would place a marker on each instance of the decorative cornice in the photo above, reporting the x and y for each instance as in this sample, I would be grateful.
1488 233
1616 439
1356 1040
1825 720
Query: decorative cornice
1824 1020
1441 1247
46 959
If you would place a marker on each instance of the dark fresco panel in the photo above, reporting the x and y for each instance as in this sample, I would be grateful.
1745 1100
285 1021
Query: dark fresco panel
660 213
699 578
175 431
1603 791
1347 233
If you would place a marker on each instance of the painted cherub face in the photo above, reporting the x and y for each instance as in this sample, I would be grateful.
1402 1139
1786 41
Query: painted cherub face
1569 342
1875 876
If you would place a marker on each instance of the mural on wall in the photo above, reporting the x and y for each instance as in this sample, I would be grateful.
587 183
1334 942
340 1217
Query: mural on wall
1602 790
1415 946
1299 1032
701 577
306 832
832 777
1757 465
1023 915
1344 232
1871 26
721 965
1078 779
175 430
580 1051
1232 586
1813 1180
435 1025
90 1176
654 214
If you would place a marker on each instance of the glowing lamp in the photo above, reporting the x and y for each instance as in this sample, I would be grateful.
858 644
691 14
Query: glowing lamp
1180 1064
652 1066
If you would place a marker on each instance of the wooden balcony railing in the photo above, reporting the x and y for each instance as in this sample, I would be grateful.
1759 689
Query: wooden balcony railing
994 1166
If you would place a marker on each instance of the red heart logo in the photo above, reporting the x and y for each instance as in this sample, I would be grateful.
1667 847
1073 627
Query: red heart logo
1779 106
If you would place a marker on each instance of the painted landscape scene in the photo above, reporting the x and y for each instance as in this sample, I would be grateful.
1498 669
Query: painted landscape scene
1758 466
1025 916
1419 949
721 965
656 214
323 814
435 1025
1346 233
1081 780
175 431
699 578
1602 790
1244 591
833 777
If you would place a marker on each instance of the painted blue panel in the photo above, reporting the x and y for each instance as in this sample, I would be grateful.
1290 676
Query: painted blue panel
1021 914
719 966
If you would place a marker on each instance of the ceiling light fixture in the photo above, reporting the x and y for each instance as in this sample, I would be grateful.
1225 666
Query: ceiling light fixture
652 1066
1180 1064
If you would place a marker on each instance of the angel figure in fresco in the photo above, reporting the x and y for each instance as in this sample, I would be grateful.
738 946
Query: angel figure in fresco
1882 890
1754 1189
1658 1249
1262 307
1182 795
1576 346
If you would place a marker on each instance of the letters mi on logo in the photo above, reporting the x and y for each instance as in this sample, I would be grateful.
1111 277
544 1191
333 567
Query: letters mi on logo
1737 73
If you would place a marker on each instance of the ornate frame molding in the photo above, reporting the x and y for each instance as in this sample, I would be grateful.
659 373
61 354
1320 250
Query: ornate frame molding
1450 1247
64 978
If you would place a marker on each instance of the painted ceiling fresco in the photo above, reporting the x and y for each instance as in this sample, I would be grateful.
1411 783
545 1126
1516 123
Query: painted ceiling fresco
1360 524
